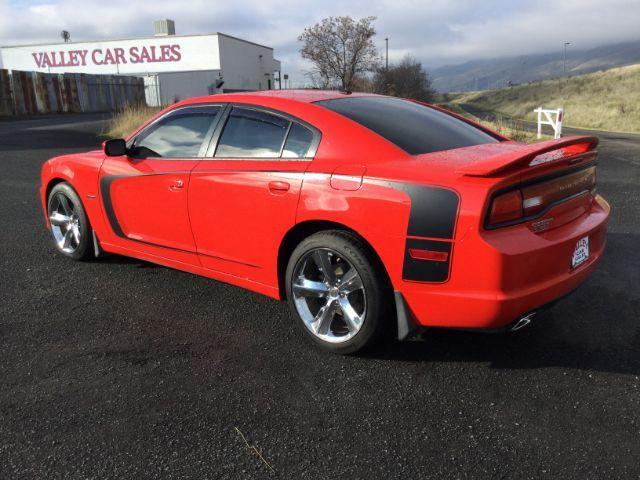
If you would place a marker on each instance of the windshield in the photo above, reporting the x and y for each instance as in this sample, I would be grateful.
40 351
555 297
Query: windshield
414 127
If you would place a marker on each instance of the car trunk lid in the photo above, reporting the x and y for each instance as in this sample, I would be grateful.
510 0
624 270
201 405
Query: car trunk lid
543 184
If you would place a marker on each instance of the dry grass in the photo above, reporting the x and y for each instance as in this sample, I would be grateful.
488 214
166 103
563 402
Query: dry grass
128 119
257 452
511 128
606 100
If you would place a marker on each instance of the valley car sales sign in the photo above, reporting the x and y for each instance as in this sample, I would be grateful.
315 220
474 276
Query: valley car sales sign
153 55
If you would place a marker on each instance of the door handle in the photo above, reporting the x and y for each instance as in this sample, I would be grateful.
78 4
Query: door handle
176 185
279 187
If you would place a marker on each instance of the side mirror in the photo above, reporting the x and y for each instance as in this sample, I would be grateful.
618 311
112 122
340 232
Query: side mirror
115 147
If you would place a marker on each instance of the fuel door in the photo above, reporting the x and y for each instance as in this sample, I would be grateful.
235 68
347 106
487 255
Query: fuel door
347 177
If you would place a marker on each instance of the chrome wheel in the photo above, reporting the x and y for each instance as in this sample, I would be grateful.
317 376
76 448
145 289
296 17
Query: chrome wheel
329 295
65 223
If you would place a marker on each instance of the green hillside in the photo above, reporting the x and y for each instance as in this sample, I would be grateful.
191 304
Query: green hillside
606 100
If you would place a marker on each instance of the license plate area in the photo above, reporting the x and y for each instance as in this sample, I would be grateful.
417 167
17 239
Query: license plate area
580 253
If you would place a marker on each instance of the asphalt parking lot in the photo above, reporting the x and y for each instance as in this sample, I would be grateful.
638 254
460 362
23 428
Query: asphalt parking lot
119 368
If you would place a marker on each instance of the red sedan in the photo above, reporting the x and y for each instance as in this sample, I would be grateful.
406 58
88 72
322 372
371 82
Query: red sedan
366 213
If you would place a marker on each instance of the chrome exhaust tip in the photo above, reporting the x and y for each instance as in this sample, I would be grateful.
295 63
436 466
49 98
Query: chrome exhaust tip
522 322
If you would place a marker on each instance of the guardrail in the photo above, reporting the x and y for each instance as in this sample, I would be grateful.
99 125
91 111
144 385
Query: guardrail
31 93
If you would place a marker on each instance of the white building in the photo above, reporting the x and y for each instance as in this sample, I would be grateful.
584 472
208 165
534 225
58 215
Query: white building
174 67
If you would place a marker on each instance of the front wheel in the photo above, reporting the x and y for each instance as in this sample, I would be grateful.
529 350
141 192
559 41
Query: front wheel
69 224
336 292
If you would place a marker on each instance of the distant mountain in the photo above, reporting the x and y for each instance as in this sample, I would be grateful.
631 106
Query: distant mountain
498 72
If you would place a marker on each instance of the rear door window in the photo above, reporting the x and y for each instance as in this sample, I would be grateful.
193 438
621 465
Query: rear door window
252 133
413 127
298 142
255 133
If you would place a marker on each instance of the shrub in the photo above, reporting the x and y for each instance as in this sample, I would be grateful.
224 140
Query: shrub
128 119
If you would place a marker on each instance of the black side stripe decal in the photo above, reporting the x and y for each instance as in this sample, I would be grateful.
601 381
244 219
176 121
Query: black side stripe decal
105 193
433 209
433 214
426 270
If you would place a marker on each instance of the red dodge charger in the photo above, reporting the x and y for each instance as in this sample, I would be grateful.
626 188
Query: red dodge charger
366 213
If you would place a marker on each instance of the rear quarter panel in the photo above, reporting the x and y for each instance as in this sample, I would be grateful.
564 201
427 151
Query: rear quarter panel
379 214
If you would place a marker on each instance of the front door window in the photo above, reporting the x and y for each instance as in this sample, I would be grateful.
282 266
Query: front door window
178 135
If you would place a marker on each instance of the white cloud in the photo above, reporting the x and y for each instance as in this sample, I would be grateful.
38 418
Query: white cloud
436 32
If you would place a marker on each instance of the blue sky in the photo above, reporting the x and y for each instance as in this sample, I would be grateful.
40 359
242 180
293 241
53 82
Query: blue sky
437 32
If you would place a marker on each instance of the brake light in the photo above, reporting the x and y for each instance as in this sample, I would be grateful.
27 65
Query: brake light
564 152
506 208
576 149
533 200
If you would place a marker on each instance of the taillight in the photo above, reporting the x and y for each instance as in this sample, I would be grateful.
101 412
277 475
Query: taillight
506 208
533 200
536 198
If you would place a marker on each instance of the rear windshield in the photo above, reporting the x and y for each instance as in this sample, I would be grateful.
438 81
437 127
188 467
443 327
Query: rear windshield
411 126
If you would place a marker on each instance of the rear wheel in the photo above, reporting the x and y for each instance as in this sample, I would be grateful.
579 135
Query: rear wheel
69 224
336 292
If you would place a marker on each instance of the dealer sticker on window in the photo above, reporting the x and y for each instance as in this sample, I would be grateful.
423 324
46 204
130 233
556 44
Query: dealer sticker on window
581 252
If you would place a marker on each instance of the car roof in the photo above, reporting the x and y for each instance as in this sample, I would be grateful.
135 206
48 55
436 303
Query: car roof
305 96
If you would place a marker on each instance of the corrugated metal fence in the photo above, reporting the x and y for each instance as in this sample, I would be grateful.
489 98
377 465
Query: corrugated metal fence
30 93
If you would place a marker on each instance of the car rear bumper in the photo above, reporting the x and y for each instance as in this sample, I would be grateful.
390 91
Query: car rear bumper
501 276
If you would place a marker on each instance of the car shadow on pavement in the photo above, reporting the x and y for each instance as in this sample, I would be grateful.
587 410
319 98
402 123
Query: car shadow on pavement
595 328
538 347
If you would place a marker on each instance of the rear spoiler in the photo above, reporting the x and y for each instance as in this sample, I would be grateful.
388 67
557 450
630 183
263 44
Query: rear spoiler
530 155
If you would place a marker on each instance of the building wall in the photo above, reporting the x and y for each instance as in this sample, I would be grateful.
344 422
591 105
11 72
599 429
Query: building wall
172 67
242 67
167 88
118 57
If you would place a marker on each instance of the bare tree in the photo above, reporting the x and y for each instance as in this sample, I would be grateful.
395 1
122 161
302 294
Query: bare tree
341 50
407 79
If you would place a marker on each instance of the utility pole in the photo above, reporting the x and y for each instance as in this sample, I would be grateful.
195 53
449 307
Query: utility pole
386 41
564 58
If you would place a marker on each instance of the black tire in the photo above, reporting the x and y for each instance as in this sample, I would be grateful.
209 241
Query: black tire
83 249
376 288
